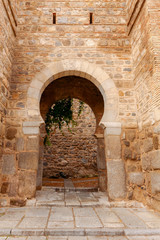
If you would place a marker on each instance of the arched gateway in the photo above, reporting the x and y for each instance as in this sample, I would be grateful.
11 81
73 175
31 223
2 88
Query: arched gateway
109 120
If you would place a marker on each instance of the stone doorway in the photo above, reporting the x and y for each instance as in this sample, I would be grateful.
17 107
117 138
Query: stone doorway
62 158
43 90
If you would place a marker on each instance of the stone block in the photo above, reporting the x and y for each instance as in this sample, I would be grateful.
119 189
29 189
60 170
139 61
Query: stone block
155 142
11 133
28 160
101 160
113 147
136 178
155 182
32 143
127 154
154 159
8 165
130 135
13 188
148 145
137 148
116 179
157 129
31 130
19 144
146 165
27 184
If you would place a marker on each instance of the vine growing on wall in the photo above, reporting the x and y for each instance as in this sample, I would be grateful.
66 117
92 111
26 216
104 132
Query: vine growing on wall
60 114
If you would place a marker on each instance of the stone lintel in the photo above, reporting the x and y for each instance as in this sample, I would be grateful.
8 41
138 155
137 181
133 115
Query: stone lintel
112 128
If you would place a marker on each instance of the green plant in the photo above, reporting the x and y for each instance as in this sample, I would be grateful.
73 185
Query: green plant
60 114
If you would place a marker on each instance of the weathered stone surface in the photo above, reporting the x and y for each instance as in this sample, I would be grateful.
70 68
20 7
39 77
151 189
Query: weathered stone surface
130 135
27 184
8 165
28 160
127 153
154 159
146 165
155 182
112 147
32 143
101 160
155 142
137 148
11 133
19 144
136 178
148 145
116 179
74 153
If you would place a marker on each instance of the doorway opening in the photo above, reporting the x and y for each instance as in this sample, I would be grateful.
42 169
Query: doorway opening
79 154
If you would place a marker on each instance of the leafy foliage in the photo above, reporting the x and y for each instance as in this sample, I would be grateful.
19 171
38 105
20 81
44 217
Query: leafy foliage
60 114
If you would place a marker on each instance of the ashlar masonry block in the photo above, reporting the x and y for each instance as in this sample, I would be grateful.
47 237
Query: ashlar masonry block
8 166
116 179
28 160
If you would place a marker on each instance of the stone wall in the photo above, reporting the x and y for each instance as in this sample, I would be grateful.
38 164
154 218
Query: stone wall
105 43
141 146
7 41
73 153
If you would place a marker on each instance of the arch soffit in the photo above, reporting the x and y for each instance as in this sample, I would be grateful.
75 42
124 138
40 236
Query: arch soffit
81 68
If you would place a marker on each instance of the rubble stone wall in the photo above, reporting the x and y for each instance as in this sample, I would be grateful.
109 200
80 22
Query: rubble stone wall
73 153
7 41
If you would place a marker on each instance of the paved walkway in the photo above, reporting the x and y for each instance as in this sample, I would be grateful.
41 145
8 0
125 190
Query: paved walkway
78 216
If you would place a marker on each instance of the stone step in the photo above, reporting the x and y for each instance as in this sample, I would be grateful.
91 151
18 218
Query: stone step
80 232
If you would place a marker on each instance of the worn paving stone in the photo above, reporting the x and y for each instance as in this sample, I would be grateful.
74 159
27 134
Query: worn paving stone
129 219
36 238
97 237
8 224
37 212
57 238
84 212
107 216
113 225
60 224
27 232
17 238
33 223
87 222
153 224
14 216
147 216
61 214
77 238
117 238
138 238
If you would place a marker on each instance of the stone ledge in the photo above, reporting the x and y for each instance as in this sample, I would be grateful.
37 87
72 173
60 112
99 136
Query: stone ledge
141 232
26 232
64 232
80 232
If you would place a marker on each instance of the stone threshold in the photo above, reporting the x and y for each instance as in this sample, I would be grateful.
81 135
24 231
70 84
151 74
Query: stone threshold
80 232
73 189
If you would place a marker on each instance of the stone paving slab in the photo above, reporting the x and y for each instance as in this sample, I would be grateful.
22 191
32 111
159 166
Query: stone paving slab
90 219
82 238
